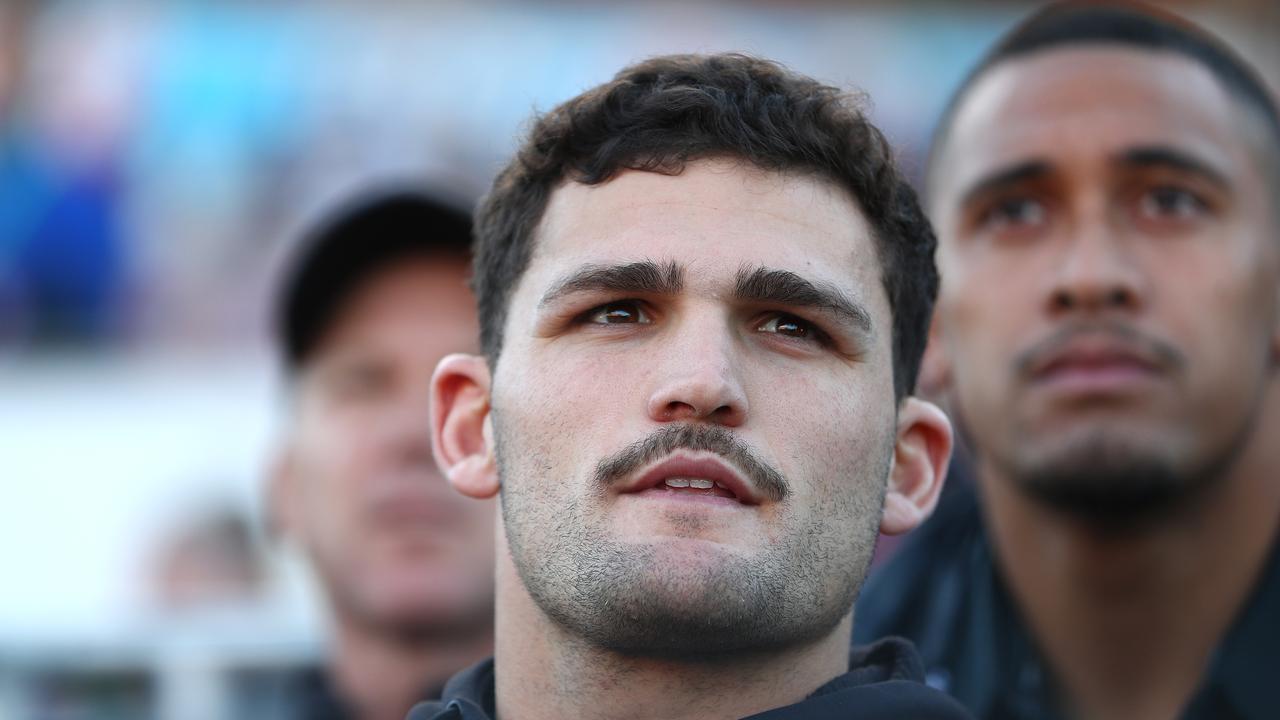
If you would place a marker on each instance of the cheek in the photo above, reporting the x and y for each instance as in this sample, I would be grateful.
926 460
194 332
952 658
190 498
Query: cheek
832 436
604 379
1224 323
334 454
983 325
568 399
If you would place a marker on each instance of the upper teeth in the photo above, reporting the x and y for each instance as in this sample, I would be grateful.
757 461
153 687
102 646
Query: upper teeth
698 483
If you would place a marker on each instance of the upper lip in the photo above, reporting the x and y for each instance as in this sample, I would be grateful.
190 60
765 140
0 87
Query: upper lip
706 466
1092 350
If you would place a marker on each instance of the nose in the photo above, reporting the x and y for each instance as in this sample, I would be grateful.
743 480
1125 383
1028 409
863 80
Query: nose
1097 273
697 379
406 421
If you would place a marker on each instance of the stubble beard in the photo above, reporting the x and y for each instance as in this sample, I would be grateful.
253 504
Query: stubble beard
1116 484
624 598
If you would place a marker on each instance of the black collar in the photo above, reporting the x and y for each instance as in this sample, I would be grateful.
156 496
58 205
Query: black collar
1244 668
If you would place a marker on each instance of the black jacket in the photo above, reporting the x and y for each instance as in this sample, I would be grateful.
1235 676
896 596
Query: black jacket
943 590
883 682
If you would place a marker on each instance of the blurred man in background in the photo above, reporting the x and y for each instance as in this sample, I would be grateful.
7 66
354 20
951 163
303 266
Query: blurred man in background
377 297
1105 189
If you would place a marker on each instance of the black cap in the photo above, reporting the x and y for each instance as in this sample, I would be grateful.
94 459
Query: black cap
361 237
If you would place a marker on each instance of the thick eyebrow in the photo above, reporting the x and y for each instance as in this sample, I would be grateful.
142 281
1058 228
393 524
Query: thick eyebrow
1005 177
787 288
645 276
1167 157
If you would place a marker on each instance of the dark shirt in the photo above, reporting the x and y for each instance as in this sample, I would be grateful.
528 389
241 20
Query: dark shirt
317 700
306 694
883 682
943 592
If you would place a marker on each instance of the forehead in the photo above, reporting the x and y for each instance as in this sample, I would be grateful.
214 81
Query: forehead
420 303
1086 104
714 218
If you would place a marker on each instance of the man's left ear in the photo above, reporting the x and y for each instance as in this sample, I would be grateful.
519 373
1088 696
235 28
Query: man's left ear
920 461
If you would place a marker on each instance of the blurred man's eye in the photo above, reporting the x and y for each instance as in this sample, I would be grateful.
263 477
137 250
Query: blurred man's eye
360 381
1170 203
618 313
1012 215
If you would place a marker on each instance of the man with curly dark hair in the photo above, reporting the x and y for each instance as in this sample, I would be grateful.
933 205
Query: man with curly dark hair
704 289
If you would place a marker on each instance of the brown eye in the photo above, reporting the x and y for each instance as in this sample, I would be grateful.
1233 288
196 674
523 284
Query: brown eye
789 326
618 313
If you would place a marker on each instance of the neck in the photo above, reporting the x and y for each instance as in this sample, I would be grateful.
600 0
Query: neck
380 674
1128 622
542 672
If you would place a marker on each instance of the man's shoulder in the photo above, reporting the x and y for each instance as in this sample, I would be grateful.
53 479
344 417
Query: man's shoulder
467 696
447 710
890 700
884 681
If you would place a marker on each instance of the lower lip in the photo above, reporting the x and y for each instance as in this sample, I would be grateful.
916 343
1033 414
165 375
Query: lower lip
665 494
1100 379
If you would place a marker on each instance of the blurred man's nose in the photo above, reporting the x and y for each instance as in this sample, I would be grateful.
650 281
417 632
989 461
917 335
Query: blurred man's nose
696 375
406 422
1097 271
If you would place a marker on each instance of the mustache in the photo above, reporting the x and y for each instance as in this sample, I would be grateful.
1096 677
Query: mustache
767 481
1162 353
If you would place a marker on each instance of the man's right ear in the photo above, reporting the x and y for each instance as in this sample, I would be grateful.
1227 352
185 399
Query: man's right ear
461 439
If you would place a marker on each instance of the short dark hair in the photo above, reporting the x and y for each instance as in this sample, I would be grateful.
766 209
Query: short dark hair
663 113
1089 22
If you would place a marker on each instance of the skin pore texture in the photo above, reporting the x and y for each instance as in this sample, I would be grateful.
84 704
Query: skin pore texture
1109 325
406 562
656 335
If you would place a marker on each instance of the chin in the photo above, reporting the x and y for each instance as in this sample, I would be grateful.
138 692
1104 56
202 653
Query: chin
1114 482
694 553
428 613
682 599
408 592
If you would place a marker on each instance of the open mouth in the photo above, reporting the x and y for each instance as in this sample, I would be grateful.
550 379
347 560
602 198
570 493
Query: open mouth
694 486
702 475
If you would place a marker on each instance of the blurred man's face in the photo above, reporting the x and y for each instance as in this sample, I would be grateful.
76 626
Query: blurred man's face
694 410
1108 254
390 539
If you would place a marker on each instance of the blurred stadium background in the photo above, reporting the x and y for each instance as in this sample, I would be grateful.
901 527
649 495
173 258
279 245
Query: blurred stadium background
157 158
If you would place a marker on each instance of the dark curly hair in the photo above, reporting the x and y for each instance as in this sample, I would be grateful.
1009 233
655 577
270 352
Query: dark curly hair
663 113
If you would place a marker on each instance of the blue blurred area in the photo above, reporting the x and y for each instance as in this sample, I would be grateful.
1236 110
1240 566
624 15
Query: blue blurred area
62 245
154 151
